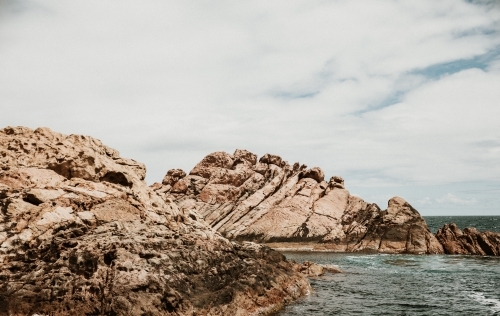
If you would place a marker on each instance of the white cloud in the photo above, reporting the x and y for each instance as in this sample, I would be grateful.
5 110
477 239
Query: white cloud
453 199
425 201
361 88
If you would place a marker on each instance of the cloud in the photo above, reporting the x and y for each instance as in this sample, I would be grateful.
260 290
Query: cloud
425 201
384 93
453 199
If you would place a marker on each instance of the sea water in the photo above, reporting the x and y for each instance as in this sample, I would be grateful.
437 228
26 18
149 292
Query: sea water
481 223
383 284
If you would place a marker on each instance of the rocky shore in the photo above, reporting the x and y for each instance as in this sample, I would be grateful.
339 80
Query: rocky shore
82 234
469 241
290 207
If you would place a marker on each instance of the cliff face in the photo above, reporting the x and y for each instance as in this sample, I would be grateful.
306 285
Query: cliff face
272 201
82 234
469 241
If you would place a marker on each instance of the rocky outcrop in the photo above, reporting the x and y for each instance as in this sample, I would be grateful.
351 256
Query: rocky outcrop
271 201
311 269
469 241
82 234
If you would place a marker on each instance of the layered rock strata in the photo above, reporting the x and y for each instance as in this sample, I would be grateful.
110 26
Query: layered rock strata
271 201
469 241
82 234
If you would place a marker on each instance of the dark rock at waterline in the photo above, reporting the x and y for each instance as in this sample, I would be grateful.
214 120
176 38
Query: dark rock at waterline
468 241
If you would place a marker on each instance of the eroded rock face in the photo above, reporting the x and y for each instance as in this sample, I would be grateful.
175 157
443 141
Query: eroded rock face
82 234
73 156
398 229
272 201
469 241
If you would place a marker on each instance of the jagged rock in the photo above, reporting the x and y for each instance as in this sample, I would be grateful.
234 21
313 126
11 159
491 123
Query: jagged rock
310 269
272 159
331 268
173 176
272 202
314 173
337 182
469 241
73 156
82 234
399 229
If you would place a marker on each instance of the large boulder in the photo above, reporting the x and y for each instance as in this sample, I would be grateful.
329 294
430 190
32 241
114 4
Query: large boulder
82 234
270 201
469 241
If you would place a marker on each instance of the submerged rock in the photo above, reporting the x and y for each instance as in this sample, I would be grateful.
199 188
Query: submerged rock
82 234
469 241
271 201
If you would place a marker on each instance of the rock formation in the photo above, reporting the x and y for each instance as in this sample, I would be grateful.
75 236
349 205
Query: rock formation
311 269
469 241
82 234
271 201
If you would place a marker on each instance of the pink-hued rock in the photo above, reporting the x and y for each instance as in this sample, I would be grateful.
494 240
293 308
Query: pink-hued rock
271 201
311 269
469 241
73 156
173 176
82 234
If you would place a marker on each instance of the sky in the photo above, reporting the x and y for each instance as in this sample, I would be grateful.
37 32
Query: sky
400 98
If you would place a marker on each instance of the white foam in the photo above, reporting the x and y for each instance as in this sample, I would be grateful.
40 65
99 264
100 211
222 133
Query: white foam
494 304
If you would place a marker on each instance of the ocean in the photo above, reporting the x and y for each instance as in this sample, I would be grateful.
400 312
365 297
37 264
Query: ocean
383 284
491 223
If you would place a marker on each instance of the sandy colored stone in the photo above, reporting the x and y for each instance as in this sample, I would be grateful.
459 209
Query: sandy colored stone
311 269
271 201
115 210
82 234
173 176
38 196
56 216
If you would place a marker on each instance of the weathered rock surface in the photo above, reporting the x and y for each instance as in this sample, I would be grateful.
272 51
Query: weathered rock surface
82 234
271 201
469 241
311 269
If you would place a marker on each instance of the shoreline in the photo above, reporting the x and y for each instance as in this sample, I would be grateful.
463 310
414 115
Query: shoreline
323 248
307 247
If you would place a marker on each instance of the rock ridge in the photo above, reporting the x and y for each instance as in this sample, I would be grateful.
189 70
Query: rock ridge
268 200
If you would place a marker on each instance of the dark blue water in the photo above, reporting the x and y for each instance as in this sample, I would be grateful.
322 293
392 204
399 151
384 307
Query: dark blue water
402 285
405 284
491 223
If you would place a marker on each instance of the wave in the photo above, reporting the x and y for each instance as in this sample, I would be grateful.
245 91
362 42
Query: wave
492 303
